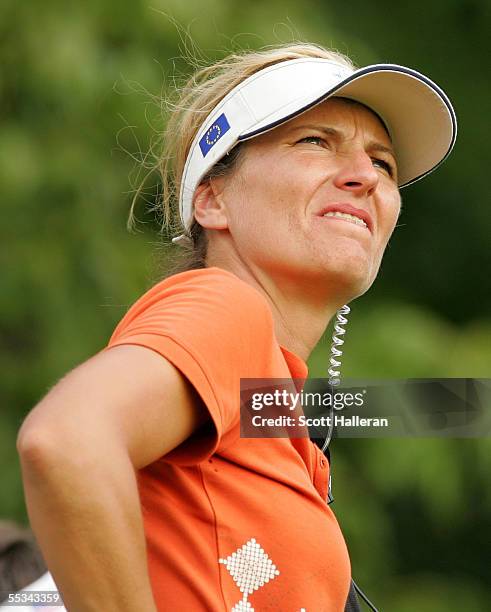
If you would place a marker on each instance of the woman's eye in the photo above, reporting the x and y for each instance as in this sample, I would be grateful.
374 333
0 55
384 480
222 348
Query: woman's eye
313 139
384 165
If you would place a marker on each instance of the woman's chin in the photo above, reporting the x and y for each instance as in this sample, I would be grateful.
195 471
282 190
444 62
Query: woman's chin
348 280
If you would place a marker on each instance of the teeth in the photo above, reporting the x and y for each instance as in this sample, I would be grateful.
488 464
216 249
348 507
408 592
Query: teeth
347 217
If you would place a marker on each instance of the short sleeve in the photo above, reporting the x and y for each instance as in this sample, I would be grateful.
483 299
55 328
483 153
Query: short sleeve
215 329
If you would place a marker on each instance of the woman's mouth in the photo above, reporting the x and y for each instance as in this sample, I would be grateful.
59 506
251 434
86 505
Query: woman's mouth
346 212
346 217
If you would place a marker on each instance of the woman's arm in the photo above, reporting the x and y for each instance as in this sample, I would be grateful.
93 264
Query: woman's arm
79 448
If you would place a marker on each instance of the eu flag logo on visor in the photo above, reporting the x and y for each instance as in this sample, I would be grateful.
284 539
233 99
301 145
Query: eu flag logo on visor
213 134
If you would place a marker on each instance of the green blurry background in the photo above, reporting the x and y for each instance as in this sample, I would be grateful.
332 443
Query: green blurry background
77 113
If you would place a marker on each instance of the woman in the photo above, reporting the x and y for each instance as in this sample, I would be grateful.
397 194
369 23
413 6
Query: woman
288 165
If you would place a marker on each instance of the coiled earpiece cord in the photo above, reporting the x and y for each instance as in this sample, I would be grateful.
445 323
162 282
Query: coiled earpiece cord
334 380
334 373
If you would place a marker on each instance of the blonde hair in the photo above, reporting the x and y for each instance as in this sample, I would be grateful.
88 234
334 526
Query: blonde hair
195 100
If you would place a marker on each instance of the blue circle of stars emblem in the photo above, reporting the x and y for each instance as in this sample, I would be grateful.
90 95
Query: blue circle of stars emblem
213 134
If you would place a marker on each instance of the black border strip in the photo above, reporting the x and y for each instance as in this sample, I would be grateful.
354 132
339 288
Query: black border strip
353 77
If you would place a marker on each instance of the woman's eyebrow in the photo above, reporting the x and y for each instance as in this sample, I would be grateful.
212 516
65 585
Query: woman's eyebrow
320 128
333 132
377 146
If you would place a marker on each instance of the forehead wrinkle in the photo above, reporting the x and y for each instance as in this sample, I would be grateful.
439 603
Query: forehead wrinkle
373 145
333 109
329 131
350 102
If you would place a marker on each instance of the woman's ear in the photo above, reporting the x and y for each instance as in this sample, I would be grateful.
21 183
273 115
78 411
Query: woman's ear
209 209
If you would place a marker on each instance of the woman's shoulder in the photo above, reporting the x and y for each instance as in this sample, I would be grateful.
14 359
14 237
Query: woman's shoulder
206 284
202 277
210 296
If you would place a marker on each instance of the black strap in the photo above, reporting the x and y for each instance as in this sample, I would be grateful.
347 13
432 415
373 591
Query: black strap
363 596
352 603
327 453
320 443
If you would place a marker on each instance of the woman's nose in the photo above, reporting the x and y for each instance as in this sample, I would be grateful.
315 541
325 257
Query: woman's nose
357 174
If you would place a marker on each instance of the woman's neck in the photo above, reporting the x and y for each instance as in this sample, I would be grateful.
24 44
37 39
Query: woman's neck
301 310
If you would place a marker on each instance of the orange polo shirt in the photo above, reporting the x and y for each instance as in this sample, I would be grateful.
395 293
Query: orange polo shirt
232 524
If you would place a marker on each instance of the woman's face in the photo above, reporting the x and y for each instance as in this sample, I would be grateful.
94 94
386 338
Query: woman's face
337 155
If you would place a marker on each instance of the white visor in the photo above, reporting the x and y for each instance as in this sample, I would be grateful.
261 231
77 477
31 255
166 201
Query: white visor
416 112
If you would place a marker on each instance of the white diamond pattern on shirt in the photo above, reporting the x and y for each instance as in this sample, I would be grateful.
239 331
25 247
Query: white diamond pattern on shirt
251 568
243 607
